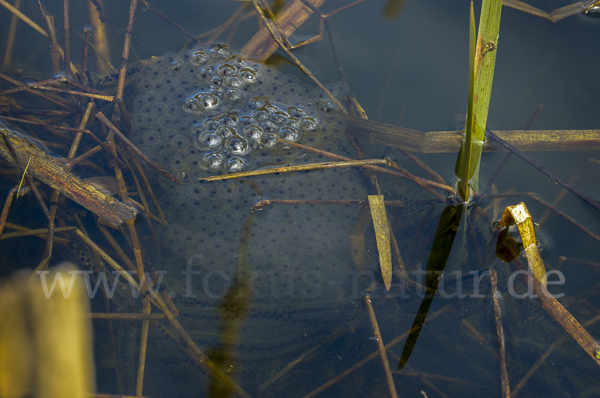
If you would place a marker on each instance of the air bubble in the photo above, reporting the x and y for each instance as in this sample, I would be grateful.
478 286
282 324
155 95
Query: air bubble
236 164
289 134
206 73
226 69
233 95
269 140
279 117
233 81
249 76
226 131
206 101
220 51
209 139
309 123
253 132
237 145
199 57
213 161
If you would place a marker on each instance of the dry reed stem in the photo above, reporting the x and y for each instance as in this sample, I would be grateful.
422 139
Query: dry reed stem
266 202
100 116
500 332
113 243
132 317
10 41
34 232
139 386
302 167
6 209
148 186
381 348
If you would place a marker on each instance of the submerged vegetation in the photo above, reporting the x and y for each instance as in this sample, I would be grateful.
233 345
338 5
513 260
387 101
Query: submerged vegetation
305 231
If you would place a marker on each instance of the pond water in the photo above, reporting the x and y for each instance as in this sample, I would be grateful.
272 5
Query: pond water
414 66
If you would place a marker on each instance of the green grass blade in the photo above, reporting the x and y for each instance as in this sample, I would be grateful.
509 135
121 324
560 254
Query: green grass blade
482 59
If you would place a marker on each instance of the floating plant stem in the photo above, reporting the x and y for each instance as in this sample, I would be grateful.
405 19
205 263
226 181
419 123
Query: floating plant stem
287 169
482 59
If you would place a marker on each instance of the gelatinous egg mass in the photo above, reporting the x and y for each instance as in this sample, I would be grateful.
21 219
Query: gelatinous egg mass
228 105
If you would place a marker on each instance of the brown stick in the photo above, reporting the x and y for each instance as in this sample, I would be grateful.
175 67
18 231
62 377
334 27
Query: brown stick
126 47
133 317
10 42
301 167
100 116
381 348
500 331
266 202
143 346
67 38
6 209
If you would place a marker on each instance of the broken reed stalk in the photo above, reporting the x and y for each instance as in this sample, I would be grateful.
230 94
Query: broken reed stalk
296 60
86 45
67 38
102 144
266 202
100 116
42 235
139 386
500 332
107 98
126 47
369 358
301 167
54 56
381 348
197 355
34 232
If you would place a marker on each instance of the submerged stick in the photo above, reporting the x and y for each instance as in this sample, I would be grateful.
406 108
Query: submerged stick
542 169
100 116
500 331
381 348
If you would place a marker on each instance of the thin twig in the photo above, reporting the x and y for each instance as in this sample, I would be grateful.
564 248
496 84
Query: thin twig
171 22
266 202
500 331
381 348
100 116
301 167
542 169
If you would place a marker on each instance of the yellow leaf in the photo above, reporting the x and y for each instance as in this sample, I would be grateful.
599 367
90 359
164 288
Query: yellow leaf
520 216
382 234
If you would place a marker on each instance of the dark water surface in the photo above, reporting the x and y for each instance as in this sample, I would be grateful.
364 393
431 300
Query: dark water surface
414 66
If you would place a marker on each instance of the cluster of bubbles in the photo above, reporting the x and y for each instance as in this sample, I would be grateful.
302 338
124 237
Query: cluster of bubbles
210 110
